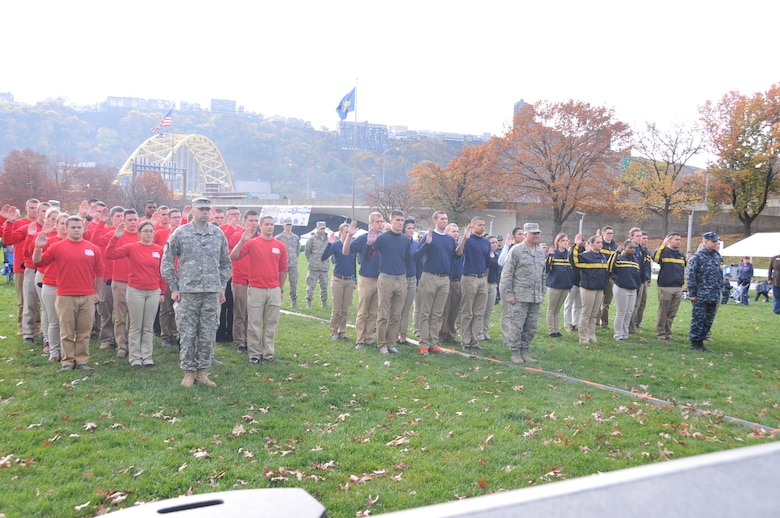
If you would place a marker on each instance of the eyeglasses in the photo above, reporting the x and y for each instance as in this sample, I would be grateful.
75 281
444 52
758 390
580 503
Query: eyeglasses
148 230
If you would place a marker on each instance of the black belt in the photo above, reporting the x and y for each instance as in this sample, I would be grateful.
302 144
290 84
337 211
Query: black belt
456 279
439 274
477 275
342 277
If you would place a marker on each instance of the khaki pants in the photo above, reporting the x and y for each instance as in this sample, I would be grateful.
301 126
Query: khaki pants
625 300
391 295
451 316
490 304
263 308
43 313
411 292
603 316
141 308
49 302
591 305
342 290
432 294
668 304
19 285
76 314
119 292
472 308
555 300
368 307
639 308
31 312
240 321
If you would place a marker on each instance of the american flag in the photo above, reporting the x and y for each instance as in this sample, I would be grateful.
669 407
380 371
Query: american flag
166 121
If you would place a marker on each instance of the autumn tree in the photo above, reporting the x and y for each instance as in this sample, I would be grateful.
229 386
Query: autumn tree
26 175
394 196
98 183
460 189
744 134
659 181
563 155
147 186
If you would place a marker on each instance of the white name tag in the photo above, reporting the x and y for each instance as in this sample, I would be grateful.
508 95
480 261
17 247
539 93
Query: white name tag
156 255
275 250
89 253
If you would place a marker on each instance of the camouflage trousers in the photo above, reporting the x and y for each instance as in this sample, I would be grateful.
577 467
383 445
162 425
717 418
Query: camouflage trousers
518 323
702 316
197 318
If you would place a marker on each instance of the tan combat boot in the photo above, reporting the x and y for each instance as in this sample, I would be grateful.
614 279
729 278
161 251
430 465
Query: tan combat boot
527 357
203 377
189 379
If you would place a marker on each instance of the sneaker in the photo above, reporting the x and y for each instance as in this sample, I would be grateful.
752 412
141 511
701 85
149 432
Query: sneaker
46 347
54 358
254 359
344 338
28 339
68 367
436 349
149 364
84 367
424 351
121 354
487 337
334 337
383 350
477 347
393 350
241 349
360 345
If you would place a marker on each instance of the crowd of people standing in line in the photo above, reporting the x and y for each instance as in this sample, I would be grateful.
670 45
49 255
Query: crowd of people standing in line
113 272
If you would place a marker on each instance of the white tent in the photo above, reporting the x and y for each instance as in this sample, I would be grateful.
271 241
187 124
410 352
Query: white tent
765 244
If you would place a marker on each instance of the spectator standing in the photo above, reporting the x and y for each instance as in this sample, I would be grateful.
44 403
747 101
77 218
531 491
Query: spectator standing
318 270
451 316
523 286
773 278
744 278
671 278
703 279
198 287
267 270
292 242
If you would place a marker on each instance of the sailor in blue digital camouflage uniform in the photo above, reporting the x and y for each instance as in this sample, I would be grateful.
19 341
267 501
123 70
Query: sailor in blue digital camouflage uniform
703 280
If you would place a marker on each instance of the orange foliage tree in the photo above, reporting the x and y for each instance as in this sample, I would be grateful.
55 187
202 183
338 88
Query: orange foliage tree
744 134
394 196
147 186
659 181
460 189
563 155
26 175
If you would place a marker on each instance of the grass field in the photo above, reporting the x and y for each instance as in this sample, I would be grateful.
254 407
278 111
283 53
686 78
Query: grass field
365 433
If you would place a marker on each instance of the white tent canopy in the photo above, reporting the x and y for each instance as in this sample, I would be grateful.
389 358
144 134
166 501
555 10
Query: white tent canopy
765 244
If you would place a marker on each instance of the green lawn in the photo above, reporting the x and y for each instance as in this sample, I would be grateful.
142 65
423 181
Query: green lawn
364 432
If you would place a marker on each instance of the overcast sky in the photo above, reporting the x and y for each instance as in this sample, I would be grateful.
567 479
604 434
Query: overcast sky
455 66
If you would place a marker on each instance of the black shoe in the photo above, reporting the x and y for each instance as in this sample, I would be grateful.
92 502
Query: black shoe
241 349
68 367
254 359
84 367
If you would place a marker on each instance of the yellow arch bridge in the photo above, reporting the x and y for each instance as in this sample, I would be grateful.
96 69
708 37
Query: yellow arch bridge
190 164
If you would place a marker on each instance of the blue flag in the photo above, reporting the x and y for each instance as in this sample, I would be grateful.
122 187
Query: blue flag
346 105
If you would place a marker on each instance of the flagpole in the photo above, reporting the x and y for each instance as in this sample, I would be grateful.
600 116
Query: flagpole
354 154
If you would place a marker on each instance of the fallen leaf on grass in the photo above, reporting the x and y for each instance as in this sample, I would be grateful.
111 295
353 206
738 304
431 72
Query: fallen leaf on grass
182 467
82 506
238 430
90 426
398 441
200 453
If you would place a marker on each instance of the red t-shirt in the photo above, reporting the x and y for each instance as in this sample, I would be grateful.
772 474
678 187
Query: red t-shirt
144 263
122 266
161 235
78 264
240 266
267 257
29 248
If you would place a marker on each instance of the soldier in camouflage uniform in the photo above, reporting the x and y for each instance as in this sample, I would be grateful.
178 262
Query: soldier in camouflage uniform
197 285
703 281
293 243
522 290
318 270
